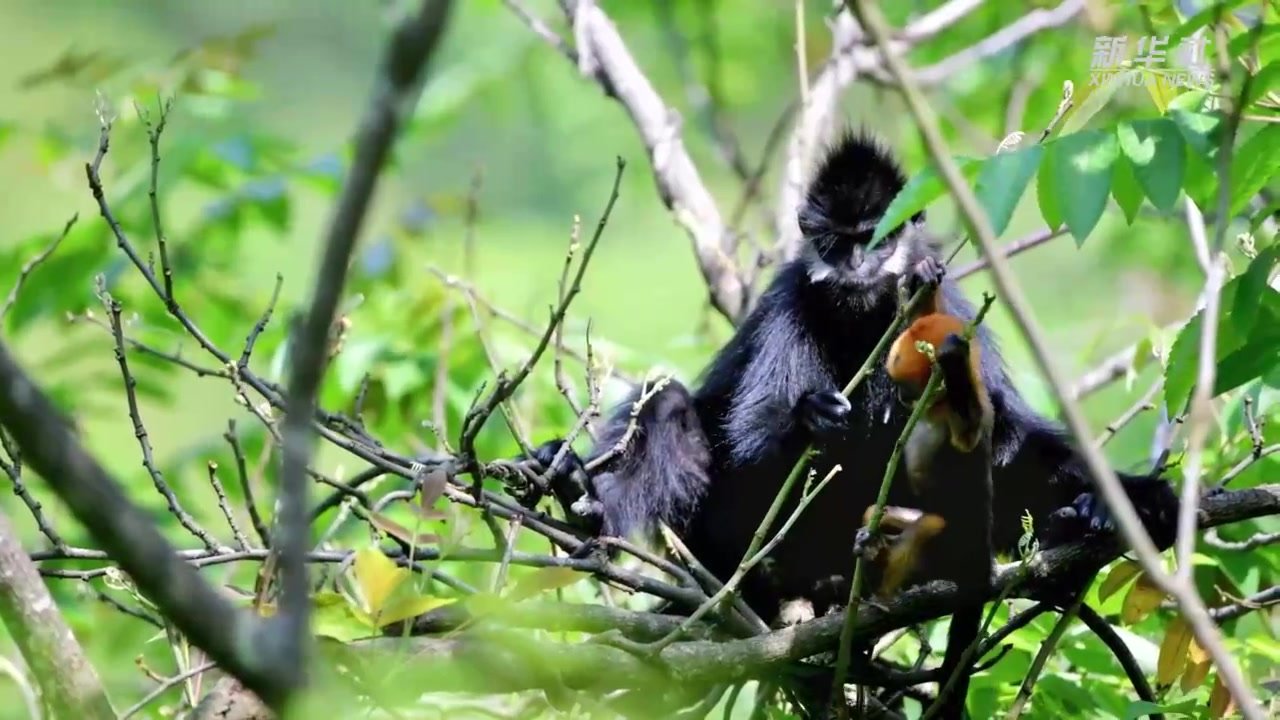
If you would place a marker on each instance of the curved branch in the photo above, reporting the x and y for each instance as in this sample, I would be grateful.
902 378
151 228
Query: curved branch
1115 644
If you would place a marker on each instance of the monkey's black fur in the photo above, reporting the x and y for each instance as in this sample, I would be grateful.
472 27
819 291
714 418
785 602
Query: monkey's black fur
775 387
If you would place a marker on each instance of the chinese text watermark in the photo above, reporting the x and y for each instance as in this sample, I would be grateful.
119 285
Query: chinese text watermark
1189 69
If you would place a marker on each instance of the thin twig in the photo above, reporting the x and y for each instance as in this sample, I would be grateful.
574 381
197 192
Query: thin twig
140 431
241 541
602 55
246 487
166 686
477 416
1144 404
31 265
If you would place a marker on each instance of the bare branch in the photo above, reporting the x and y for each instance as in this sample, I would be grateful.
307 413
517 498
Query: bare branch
1016 247
140 431
127 534
603 56
810 132
69 684
31 265
1120 649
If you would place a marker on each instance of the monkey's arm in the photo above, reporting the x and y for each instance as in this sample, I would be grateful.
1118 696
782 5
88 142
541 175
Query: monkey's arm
778 385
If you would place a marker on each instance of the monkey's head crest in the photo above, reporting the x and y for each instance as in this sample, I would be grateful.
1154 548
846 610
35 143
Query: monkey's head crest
851 190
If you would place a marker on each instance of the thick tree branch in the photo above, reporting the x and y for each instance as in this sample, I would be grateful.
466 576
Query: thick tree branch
69 684
127 534
396 92
467 661
603 56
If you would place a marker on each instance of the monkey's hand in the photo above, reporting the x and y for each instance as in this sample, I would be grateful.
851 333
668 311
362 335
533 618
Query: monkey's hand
1153 498
565 479
926 273
824 413
869 545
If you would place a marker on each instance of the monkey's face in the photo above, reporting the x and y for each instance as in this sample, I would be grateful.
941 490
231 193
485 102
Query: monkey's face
847 259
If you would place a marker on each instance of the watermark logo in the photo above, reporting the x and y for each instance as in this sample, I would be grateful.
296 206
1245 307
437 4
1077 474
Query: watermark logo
1187 69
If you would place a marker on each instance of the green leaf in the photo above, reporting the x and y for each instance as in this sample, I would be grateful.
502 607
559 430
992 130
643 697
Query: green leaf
1198 128
1240 357
1156 150
1264 82
1125 189
334 617
1254 164
921 190
1082 172
6 131
1002 180
1047 189
1252 287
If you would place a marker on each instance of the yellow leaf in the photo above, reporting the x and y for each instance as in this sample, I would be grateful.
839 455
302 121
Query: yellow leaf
1156 88
1173 652
1123 572
1198 665
409 607
1220 700
1142 598
377 576
542 580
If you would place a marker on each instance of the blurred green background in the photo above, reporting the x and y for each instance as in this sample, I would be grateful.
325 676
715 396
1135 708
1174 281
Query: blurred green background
543 139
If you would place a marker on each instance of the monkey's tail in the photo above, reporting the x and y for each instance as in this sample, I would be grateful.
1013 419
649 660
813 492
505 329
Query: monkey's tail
965 624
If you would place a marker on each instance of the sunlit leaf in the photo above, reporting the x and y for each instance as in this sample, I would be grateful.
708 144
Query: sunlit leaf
1198 664
1142 598
1095 98
412 606
543 580
1220 701
1158 155
1173 651
333 616
1082 166
1122 573
378 576
1198 129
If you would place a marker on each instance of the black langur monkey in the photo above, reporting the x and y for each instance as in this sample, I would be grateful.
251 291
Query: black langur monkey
774 388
